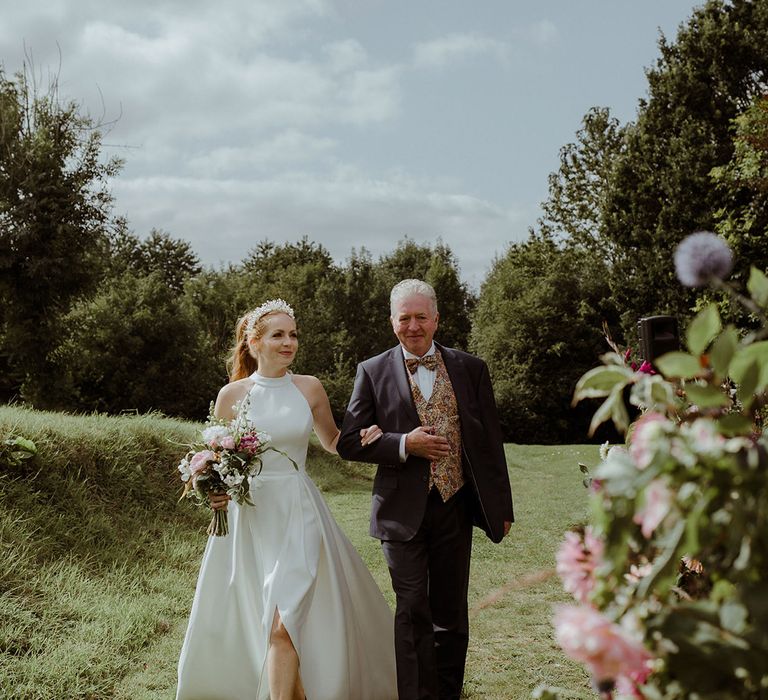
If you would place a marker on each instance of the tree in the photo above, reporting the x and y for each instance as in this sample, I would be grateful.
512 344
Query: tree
538 326
661 189
134 346
54 217
577 191
437 266
173 258
743 182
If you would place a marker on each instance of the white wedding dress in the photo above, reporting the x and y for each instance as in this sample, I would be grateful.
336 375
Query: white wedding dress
286 553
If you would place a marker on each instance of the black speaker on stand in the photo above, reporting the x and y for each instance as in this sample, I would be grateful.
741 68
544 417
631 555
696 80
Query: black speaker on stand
658 335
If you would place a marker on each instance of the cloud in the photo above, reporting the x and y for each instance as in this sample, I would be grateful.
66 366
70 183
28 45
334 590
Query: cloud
544 32
440 52
285 149
342 209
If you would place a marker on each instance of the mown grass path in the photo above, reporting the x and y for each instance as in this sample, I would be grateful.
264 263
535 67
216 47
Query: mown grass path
513 587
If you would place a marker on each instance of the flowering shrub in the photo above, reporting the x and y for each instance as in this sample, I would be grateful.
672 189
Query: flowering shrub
670 577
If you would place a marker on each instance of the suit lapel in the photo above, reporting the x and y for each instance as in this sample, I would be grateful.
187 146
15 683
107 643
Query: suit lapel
398 372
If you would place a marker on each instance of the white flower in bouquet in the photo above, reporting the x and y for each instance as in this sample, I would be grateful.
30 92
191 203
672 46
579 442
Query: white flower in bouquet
214 434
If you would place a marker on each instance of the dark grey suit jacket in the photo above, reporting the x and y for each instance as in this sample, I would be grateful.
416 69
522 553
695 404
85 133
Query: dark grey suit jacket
382 395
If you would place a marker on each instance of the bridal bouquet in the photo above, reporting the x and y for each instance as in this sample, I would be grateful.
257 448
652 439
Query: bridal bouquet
222 461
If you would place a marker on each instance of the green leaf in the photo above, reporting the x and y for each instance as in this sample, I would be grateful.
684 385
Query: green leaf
600 381
678 364
666 561
758 286
721 353
746 388
703 329
706 396
613 407
734 424
22 443
744 357
733 616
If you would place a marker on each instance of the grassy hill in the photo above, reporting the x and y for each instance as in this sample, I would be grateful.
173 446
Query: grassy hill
98 561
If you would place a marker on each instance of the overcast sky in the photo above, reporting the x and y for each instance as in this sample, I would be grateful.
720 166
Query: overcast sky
353 122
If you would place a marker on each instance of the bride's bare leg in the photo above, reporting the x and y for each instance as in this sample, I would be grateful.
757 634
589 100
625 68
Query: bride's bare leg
283 664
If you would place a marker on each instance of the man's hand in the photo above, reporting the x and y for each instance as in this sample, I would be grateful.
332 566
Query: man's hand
422 442
507 525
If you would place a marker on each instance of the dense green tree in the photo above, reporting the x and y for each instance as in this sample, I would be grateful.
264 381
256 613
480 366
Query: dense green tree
54 216
216 298
538 326
305 275
578 189
173 258
437 266
660 188
743 182
365 307
134 346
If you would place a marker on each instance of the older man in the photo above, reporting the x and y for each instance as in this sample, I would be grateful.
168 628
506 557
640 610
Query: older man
441 469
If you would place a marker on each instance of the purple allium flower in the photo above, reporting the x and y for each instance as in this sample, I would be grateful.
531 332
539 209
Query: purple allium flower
702 257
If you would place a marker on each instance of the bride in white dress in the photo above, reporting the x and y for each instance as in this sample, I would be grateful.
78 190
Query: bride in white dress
284 607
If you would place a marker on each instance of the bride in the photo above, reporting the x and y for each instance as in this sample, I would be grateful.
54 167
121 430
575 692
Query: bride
284 606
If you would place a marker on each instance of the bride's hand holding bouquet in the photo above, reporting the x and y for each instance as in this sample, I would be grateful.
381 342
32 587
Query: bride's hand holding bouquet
219 466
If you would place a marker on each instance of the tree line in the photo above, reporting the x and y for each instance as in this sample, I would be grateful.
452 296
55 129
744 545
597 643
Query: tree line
97 318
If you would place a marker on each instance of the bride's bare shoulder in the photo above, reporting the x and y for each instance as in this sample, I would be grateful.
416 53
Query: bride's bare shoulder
231 394
308 385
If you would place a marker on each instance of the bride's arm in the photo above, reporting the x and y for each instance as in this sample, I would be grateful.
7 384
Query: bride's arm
324 424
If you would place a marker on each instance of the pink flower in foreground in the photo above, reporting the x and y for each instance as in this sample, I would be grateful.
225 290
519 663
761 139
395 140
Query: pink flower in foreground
250 443
648 429
591 638
646 368
657 502
228 442
577 560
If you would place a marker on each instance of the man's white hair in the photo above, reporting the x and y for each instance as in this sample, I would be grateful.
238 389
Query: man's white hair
408 288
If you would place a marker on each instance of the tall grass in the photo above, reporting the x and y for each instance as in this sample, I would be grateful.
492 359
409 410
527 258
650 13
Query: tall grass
98 562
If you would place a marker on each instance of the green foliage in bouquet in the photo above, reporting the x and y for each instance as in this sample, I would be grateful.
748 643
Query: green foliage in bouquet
670 575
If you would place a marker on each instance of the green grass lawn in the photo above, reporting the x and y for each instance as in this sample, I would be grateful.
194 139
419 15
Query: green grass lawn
98 563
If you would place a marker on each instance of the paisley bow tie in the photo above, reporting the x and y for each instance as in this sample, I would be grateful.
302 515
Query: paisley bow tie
428 361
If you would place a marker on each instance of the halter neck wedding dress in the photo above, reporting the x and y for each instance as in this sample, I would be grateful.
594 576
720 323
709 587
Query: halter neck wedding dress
286 553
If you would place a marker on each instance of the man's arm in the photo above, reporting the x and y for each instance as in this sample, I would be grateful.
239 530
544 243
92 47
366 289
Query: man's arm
492 425
361 413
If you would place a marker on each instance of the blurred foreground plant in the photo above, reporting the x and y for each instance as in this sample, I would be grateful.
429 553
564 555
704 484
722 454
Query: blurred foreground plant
670 575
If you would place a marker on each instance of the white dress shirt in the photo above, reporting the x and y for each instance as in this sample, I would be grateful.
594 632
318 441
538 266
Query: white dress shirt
425 380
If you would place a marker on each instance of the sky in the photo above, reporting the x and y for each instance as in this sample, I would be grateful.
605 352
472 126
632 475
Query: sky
356 123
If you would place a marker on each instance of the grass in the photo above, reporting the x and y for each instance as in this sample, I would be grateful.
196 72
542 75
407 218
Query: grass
98 563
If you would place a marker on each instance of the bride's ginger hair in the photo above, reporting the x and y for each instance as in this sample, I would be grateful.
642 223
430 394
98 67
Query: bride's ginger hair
241 363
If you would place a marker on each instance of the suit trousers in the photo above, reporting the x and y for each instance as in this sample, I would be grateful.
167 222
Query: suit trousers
430 577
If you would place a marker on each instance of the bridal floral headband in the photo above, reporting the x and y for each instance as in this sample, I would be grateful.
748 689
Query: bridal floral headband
266 308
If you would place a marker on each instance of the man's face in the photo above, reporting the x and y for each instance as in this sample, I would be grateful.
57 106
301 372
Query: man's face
414 322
